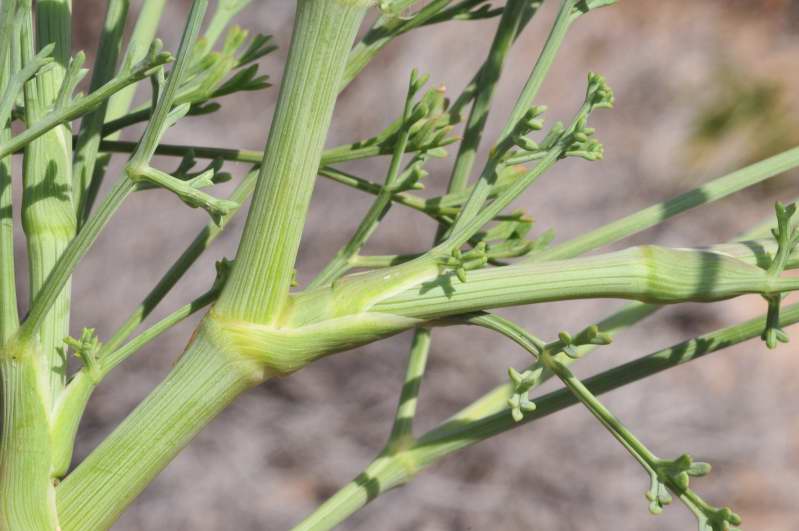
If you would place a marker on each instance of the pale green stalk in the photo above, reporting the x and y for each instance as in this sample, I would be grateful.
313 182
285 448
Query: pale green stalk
488 77
9 318
32 374
24 452
264 267
26 483
465 430
88 143
655 214
210 374
143 35
47 123
525 100
204 381
225 11
496 400
648 274
47 215
114 358
402 430
341 262
79 245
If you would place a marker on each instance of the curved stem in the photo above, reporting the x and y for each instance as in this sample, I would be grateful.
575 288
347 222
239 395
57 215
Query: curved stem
647 274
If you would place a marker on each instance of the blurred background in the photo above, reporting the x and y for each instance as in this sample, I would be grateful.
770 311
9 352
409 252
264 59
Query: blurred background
701 89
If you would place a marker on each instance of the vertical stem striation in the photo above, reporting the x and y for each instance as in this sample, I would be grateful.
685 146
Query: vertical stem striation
9 318
91 126
324 31
143 34
488 77
28 493
204 381
48 217
208 376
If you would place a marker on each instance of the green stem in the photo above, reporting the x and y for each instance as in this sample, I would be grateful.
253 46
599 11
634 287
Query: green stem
402 431
259 282
204 381
471 223
80 244
88 142
386 28
52 121
47 215
9 317
488 77
647 274
656 214
336 155
143 34
382 474
464 431
603 414
118 105
341 262
496 400
69 259
114 358
225 11
28 499
474 206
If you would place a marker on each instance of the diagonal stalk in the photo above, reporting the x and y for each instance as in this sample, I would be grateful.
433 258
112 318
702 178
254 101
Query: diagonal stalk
143 34
709 192
87 147
80 244
388 472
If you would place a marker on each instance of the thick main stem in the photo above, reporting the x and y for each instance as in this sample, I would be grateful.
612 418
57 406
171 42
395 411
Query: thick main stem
208 376
324 31
47 213
204 381
27 493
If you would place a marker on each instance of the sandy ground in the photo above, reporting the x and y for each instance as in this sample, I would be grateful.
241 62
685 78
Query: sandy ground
283 448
